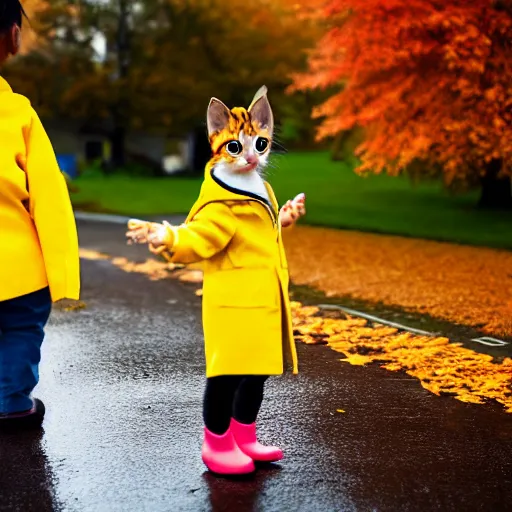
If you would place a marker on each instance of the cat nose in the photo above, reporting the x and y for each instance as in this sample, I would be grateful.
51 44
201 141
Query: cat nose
251 159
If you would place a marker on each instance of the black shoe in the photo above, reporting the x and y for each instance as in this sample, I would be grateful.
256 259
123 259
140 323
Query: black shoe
27 420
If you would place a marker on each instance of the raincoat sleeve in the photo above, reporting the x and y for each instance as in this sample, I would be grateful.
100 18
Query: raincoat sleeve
208 233
50 208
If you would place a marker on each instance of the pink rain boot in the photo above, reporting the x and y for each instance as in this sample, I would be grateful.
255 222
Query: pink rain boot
245 436
222 455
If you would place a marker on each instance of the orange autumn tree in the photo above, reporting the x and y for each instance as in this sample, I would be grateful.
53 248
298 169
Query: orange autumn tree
33 9
427 80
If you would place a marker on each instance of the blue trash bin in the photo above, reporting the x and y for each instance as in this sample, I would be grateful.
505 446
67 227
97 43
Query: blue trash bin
68 164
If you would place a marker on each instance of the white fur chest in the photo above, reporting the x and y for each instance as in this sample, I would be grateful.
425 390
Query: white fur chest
250 182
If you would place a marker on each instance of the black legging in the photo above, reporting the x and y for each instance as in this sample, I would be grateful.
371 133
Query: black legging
227 396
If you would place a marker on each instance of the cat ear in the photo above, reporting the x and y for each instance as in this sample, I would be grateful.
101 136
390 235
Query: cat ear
262 91
261 111
217 116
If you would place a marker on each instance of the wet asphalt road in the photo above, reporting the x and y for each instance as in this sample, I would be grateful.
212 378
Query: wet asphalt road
122 381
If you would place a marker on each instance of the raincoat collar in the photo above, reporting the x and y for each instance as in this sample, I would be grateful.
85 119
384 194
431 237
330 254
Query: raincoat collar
215 190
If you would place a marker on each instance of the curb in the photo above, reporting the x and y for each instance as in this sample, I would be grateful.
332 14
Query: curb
101 217
377 319
483 340
123 219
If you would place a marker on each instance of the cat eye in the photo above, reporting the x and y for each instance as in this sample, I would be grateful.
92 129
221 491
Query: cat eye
234 147
261 144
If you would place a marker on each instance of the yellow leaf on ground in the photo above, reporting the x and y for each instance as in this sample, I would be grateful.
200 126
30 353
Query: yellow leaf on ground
88 254
75 306
357 360
192 276
469 399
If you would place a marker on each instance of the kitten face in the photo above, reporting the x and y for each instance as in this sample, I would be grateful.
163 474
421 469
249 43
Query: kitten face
240 138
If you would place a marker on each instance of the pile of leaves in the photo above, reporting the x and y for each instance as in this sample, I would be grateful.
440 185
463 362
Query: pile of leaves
461 284
442 367
154 269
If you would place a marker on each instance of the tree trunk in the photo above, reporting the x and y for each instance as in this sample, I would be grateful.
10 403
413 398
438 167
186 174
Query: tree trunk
496 191
338 146
117 141
120 109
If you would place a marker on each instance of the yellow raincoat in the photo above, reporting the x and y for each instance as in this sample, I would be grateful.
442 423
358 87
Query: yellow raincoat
246 310
38 239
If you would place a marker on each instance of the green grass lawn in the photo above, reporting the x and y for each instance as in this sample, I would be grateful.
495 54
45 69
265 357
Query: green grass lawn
336 197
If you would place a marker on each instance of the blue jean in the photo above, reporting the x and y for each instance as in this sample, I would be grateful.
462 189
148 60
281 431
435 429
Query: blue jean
22 322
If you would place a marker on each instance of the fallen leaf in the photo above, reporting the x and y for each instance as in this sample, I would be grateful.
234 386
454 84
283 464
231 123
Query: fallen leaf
357 360
75 306
88 254
192 276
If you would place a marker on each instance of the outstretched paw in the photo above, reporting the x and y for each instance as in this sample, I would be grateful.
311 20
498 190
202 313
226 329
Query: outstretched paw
142 232
292 210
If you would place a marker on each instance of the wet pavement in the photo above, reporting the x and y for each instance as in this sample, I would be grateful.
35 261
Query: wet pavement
122 380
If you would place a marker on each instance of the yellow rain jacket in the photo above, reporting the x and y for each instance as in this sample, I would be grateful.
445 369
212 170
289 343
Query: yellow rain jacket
38 239
246 309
